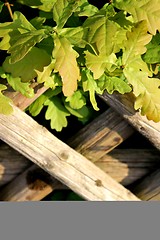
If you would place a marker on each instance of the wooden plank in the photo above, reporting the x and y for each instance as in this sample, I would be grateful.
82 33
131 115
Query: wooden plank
124 165
23 102
101 136
12 163
123 104
148 189
58 159
31 185
108 129
129 165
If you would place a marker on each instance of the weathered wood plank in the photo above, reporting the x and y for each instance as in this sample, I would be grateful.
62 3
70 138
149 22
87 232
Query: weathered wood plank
129 165
31 185
101 136
12 163
124 165
23 102
36 143
149 188
108 128
123 104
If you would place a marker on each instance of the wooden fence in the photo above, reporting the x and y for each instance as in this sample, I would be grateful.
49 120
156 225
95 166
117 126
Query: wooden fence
89 162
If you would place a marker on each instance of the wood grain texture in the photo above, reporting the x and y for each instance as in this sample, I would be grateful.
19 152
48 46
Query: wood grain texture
23 102
148 189
101 136
129 165
124 165
12 163
93 141
58 159
123 104
31 185
108 129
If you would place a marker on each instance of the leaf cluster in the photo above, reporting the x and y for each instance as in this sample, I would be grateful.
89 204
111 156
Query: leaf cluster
78 50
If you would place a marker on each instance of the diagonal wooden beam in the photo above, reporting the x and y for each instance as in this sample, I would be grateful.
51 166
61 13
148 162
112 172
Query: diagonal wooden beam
124 165
31 185
148 189
123 104
37 144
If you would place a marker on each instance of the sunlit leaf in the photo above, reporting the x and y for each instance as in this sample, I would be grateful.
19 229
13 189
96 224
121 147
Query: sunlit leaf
5 102
136 43
147 92
26 68
142 10
90 85
56 113
66 64
21 87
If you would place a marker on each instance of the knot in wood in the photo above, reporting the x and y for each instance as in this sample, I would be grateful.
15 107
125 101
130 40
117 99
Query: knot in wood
64 155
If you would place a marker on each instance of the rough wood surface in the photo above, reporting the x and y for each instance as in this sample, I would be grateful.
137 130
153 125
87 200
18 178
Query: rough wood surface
93 141
23 102
123 104
129 165
31 185
148 189
36 143
124 165
101 136
12 163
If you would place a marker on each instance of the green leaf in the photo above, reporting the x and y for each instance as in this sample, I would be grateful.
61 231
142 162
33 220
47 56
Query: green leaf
147 92
77 100
136 43
26 68
45 74
86 9
56 113
19 86
21 21
74 35
5 102
66 64
99 63
112 84
153 50
62 10
82 114
101 34
90 85
8 30
54 81
38 22
36 107
142 10
44 5
24 43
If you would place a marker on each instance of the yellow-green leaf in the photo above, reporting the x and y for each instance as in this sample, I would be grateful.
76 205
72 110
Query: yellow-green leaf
66 64
147 92
5 102
136 42
142 10
99 63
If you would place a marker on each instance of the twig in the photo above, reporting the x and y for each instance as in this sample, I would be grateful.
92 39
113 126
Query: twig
8 5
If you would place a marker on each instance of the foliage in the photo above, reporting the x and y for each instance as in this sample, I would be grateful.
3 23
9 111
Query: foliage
78 50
